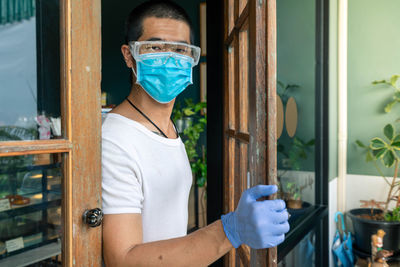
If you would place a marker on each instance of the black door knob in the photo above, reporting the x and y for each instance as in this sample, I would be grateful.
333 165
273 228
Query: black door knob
93 217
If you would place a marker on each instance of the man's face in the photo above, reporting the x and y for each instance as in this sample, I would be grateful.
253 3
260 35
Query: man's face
159 29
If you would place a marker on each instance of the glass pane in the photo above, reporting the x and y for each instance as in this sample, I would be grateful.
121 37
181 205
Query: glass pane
303 255
296 88
30 210
29 70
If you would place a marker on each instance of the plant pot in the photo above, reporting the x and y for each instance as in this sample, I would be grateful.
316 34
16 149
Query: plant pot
187 122
297 213
179 125
365 228
294 204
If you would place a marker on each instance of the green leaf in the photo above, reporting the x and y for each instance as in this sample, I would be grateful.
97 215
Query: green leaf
377 143
281 84
360 144
396 145
201 181
369 157
379 152
388 159
293 86
390 105
311 142
379 82
388 217
396 95
396 138
188 112
298 142
280 148
389 131
393 80
396 142
203 120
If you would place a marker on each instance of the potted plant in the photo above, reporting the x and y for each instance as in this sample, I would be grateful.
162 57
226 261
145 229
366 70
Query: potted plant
199 169
376 215
193 123
291 192
183 116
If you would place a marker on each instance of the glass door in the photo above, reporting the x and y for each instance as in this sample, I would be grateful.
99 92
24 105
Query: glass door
302 117
50 127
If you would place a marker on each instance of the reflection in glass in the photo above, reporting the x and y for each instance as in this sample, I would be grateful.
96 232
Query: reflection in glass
29 70
303 255
30 209
296 90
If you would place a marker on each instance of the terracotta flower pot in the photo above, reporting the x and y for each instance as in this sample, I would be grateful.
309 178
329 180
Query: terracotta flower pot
294 204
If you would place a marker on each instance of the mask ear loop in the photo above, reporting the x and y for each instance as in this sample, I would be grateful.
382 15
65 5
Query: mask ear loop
133 70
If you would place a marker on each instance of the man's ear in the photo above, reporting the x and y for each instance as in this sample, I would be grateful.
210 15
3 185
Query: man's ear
126 53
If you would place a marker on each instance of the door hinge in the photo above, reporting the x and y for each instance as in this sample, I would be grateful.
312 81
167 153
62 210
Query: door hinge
248 180
229 49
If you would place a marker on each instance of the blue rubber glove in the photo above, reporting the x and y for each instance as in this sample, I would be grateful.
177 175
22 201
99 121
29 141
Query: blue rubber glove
258 224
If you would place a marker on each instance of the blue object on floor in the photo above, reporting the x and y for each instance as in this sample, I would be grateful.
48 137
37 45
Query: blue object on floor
342 246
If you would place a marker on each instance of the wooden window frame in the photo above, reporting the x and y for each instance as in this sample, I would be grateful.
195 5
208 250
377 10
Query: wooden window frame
259 18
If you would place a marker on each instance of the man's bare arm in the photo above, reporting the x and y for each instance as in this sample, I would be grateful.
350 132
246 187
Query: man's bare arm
122 236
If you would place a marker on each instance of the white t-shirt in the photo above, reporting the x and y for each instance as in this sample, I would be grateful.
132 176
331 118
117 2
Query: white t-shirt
145 173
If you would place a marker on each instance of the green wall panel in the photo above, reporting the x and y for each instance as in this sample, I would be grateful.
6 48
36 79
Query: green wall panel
373 54
296 65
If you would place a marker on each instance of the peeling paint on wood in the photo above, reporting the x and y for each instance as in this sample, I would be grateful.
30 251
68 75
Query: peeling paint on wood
249 99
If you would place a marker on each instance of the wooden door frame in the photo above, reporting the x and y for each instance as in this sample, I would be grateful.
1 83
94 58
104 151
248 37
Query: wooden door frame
263 76
215 48
80 52
263 99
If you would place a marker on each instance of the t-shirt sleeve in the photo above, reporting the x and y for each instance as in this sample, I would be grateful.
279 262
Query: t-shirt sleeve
121 187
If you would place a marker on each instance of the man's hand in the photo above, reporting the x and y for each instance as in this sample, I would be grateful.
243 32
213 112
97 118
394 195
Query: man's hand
258 224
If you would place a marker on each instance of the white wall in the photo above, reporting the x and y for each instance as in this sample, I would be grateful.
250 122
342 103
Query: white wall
365 187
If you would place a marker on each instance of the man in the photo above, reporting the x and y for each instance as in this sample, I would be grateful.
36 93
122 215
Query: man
146 173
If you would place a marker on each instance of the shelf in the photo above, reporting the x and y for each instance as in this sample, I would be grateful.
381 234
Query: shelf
300 227
33 255
30 208
30 168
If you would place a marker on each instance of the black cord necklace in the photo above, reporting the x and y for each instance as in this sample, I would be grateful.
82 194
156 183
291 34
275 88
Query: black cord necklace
144 115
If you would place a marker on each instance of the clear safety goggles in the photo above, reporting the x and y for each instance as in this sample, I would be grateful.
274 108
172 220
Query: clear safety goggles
140 48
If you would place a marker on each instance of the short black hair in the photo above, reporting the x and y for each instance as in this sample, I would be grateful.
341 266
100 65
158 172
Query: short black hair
158 9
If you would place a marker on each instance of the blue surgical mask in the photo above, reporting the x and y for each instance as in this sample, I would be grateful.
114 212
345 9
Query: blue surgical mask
164 75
